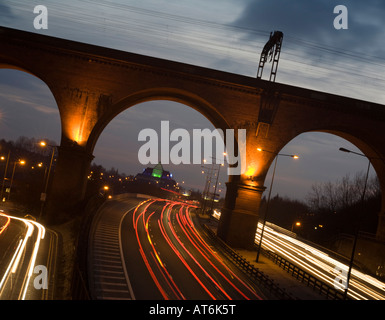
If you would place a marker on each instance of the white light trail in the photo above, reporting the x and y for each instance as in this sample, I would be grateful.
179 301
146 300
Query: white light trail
15 261
319 263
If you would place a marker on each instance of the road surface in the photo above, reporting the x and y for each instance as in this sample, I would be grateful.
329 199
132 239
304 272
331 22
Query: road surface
164 256
28 254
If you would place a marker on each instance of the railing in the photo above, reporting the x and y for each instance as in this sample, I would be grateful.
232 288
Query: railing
79 285
303 276
254 273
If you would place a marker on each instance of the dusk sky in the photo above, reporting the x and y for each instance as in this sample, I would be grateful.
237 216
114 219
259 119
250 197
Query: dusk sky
225 35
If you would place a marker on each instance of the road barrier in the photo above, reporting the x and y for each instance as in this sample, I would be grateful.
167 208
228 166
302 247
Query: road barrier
303 276
80 285
255 274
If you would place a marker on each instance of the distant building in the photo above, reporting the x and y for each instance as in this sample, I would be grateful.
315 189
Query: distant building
157 176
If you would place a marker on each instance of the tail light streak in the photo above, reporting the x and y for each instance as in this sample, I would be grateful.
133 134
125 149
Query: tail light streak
4 227
196 262
188 222
168 287
142 253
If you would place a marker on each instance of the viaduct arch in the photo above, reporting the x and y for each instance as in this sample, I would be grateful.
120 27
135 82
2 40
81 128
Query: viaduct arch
170 94
93 84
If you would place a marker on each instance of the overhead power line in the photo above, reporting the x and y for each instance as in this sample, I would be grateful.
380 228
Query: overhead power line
170 35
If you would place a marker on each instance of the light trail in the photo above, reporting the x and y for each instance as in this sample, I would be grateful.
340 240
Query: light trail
178 254
142 253
177 232
320 264
195 260
6 224
15 264
161 266
184 220
153 254
8 270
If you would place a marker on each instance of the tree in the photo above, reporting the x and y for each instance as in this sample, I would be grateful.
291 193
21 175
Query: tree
343 193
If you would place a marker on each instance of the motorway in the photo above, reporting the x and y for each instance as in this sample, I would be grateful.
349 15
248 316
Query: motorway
28 254
320 264
152 249
164 256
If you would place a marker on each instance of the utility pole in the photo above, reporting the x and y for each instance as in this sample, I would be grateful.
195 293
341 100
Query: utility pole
207 187
269 97
271 49
5 175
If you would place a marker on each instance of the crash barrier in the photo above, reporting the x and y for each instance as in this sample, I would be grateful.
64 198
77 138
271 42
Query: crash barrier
254 273
303 276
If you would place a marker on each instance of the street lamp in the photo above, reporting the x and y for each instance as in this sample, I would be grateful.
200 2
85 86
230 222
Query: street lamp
206 190
271 187
43 195
357 228
21 162
216 183
5 175
297 224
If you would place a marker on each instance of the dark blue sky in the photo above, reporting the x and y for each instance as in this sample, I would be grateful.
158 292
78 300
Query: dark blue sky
220 34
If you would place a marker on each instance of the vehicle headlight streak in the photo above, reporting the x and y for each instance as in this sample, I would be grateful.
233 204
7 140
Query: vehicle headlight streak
7 272
305 253
321 260
15 261
323 256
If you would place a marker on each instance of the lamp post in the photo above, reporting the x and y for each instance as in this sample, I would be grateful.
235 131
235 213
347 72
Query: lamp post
5 175
43 195
268 200
296 224
206 191
22 162
216 183
356 231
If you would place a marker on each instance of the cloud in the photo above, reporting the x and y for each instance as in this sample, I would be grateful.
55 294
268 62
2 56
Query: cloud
312 21
6 13
177 35
45 109
13 98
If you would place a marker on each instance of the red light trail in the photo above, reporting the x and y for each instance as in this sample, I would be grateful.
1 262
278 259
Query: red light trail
179 238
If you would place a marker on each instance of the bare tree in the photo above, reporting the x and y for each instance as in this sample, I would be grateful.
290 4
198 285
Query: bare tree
345 192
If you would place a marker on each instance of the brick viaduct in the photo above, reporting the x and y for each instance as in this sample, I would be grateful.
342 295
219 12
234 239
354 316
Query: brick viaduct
91 85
